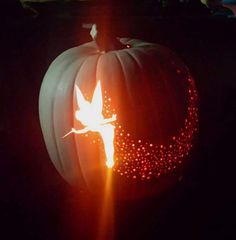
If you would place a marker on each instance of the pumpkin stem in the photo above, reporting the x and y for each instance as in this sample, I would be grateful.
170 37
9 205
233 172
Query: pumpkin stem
105 42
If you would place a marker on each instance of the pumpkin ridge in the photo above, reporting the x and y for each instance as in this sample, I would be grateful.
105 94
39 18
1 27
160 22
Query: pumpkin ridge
118 57
162 73
96 71
161 61
140 67
134 57
70 63
53 120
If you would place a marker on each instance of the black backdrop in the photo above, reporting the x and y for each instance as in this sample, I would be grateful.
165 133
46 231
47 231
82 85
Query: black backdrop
36 203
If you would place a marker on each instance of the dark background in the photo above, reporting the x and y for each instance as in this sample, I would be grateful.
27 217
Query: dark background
36 203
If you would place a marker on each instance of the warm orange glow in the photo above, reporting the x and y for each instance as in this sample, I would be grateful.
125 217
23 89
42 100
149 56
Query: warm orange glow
90 115
106 221
135 158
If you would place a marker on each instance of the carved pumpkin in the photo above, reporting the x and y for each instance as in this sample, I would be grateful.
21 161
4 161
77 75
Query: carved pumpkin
154 98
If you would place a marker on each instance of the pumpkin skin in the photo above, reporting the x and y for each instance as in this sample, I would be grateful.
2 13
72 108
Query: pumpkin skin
155 100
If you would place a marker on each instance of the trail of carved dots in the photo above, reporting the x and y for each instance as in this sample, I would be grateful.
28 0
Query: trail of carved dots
143 160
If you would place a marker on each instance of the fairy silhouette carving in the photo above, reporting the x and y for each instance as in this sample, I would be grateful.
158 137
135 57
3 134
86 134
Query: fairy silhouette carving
90 115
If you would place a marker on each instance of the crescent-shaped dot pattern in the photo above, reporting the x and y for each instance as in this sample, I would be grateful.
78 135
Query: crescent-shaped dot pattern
141 160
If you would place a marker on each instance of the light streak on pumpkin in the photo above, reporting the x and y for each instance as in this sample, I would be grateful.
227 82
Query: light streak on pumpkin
106 221
90 115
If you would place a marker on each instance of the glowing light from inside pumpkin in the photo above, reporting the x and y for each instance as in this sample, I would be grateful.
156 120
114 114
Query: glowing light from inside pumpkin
90 115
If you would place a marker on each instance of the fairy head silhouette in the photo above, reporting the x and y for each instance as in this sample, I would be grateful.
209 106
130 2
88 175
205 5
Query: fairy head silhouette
90 113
